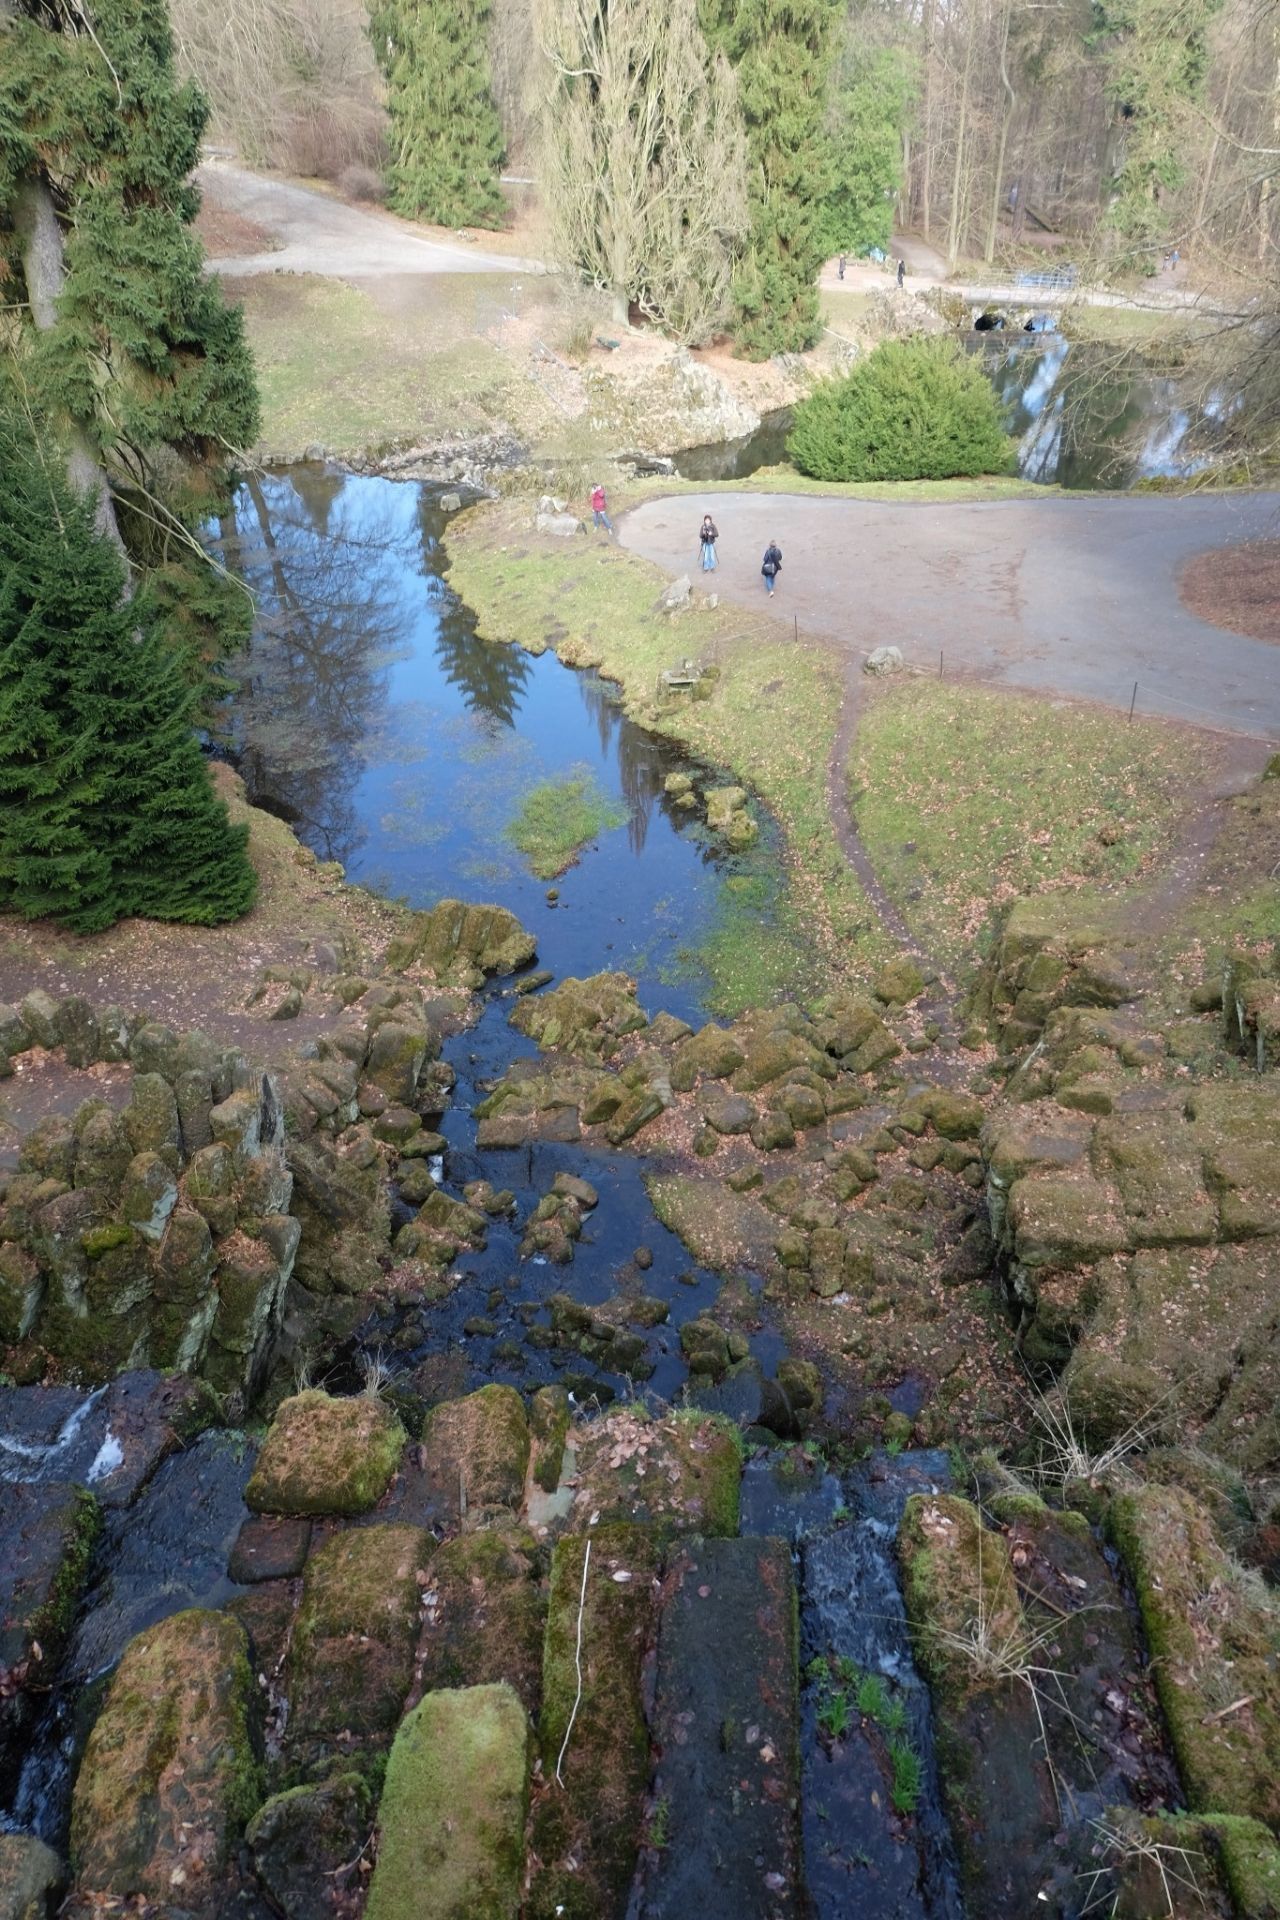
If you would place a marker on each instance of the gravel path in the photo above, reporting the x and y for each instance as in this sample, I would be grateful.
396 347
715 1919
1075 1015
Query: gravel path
326 236
1068 596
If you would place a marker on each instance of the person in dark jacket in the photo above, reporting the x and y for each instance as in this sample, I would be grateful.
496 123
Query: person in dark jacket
708 534
902 272
771 565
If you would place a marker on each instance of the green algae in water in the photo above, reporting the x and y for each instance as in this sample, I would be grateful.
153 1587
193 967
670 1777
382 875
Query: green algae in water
559 818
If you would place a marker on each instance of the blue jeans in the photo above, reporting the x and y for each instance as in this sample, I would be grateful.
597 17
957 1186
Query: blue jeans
769 579
601 518
708 556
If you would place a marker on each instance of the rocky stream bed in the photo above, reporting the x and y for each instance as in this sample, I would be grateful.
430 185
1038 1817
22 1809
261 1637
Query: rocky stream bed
532 1450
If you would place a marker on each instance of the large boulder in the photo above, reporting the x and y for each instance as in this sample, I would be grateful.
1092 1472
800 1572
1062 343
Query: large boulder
326 1456
451 1821
589 1017
169 1777
475 1454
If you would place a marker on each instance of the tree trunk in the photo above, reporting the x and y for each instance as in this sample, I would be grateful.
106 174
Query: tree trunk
42 264
1011 99
926 171
962 127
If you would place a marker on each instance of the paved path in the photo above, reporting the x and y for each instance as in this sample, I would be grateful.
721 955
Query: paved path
327 236
1069 596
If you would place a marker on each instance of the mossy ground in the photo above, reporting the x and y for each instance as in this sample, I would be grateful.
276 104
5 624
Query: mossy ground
967 799
771 715
339 368
557 819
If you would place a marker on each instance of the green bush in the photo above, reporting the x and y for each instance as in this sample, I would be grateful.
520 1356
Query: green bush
911 410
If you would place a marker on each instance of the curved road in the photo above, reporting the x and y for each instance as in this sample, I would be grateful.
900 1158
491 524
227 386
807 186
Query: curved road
1073 596
321 234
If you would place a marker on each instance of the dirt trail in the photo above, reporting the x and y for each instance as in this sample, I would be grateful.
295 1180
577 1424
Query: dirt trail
321 235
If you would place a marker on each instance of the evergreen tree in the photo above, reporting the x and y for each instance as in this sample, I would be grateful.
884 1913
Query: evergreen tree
918 409
106 805
870 102
115 332
781 51
446 132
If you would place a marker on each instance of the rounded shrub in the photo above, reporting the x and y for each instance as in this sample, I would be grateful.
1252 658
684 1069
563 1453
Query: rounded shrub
918 409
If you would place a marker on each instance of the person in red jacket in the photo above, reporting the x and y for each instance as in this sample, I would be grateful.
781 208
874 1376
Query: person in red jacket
599 509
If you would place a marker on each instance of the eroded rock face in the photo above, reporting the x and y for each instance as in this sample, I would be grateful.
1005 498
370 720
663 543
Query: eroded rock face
124 1244
169 1777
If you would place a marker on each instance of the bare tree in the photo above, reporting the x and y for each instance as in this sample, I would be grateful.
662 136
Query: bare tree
644 168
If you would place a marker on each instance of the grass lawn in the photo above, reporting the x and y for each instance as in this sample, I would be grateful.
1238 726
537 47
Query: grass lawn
558 819
966 798
336 369
771 717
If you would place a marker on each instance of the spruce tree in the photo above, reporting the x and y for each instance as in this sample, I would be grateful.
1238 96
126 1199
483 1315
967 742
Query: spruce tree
106 805
446 134
114 330
781 51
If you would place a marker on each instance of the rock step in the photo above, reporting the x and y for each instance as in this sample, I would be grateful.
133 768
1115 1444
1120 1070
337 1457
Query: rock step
723 1831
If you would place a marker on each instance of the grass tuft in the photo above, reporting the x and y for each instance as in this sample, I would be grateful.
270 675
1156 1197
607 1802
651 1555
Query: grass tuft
559 818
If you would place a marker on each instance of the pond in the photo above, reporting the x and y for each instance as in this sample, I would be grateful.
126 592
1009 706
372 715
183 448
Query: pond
1084 416
393 737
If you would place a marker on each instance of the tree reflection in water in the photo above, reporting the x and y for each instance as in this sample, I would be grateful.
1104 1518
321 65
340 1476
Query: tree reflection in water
324 571
490 678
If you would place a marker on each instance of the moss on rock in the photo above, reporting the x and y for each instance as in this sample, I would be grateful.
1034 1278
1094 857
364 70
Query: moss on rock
451 1821
681 1474
1213 1631
585 1835
351 1657
485 1607
476 1451
169 1777
326 1456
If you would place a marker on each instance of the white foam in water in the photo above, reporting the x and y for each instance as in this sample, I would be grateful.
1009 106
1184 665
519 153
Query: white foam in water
65 1437
109 1456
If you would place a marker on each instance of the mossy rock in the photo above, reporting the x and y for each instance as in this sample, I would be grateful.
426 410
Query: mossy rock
461 943
680 1474
712 1053
548 1430
31 1877
323 1455
588 1018
899 982
300 1840
1213 1632
585 1836
1062 1221
169 1779
485 1608
476 1452
451 1821
351 1657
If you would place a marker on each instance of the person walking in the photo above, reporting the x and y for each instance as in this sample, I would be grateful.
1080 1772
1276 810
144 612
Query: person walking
840 268
771 565
708 534
600 509
902 273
